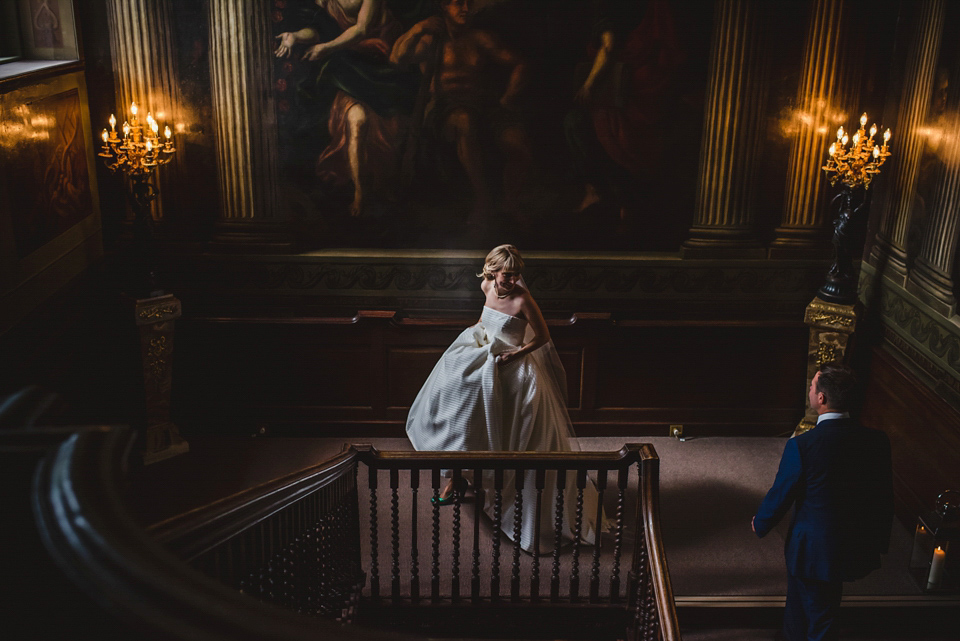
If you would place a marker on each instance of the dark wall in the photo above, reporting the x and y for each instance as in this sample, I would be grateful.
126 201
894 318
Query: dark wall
340 377
923 431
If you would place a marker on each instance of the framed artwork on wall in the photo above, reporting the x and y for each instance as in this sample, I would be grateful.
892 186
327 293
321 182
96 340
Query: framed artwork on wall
49 210
47 30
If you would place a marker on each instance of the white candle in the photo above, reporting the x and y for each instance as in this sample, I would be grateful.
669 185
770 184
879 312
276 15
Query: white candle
918 558
936 567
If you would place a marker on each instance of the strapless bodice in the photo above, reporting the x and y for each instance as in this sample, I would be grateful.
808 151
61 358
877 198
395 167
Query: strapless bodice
509 329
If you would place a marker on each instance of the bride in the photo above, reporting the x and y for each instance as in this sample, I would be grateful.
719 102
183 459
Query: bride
501 386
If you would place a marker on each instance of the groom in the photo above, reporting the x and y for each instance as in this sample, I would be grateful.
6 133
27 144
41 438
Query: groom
839 478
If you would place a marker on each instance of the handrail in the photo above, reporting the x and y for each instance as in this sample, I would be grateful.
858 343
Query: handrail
629 453
96 542
650 497
197 531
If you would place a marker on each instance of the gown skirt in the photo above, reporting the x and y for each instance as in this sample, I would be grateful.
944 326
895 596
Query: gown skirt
471 403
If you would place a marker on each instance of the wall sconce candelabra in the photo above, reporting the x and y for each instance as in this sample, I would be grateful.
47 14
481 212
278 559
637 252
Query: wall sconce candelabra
854 166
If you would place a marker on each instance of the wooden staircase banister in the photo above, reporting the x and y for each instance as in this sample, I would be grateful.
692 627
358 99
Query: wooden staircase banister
145 575
92 536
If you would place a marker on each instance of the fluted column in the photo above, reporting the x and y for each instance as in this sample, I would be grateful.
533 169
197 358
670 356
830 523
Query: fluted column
829 87
737 91
145 72
918 77
931 276
241 71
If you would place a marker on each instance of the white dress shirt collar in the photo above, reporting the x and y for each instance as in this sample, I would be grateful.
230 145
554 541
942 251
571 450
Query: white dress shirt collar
827 416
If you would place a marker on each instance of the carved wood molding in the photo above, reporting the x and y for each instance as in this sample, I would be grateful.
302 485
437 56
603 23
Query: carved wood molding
927 341
398 282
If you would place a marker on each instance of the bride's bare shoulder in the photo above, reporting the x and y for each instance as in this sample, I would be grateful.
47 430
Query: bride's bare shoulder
485 285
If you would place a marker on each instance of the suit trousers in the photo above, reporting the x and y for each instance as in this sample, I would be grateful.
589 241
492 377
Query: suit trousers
811 610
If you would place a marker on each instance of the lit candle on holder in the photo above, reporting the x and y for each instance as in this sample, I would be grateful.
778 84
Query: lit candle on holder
105 136
126 129
936 568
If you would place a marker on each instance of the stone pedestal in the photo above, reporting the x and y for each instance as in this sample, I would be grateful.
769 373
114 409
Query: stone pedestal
831 326
155 319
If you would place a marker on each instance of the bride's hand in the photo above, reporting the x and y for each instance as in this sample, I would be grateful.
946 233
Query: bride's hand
507 357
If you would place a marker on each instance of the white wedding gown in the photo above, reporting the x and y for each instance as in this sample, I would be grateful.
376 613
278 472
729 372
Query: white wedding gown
469 402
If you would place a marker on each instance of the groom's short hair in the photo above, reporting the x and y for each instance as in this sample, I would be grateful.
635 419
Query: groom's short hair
838 384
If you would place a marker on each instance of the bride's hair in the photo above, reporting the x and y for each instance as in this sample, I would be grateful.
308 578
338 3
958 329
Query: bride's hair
502 257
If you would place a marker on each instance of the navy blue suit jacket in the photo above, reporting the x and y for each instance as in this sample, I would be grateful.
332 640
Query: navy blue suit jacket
838 477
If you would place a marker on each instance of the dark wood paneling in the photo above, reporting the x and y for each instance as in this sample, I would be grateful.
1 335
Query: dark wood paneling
924 433
358 376
407 369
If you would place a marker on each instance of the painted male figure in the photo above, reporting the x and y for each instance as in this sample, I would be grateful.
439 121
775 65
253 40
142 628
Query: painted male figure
465 108
838 477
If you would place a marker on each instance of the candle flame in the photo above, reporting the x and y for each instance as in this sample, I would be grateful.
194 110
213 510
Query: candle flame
149 145
886 136
133 108
873 130
843 140
833 149
113 121
166 132
863 119
105 135
839 133
876 152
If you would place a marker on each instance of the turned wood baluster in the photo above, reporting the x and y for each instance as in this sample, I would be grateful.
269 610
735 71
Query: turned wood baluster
414 553
395 534
477 510
558 536
577 534
636 583
374 552
497 523
455 578
540 481
435 560
598 523
518 483
622 478
313 567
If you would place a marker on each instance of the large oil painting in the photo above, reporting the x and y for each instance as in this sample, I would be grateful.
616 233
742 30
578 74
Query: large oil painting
570 124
